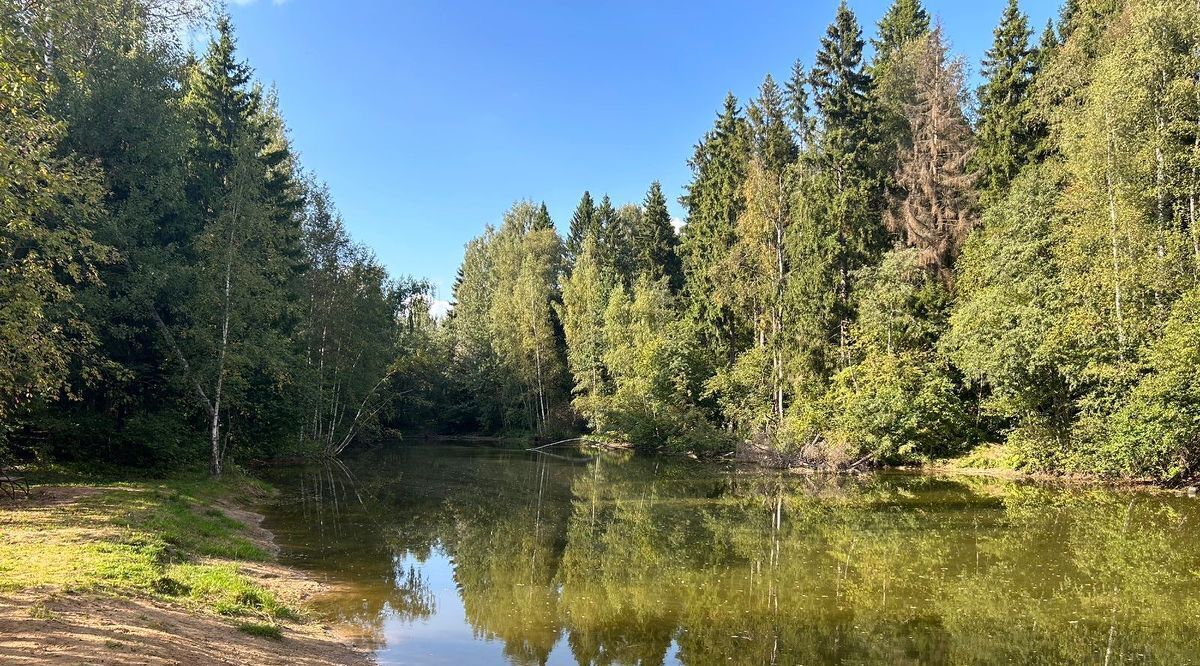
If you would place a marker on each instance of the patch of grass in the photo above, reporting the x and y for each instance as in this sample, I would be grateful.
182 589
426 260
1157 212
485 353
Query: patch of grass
986 456
222 588
157 538
261 630
40 612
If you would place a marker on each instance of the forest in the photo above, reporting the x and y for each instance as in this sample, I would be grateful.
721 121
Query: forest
879 264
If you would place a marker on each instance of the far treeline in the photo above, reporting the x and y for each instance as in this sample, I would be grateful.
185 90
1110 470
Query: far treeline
880 266
877 266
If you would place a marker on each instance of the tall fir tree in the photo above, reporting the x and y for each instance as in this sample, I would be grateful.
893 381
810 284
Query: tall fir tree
798 110
773 140
542 220
904 25
615 237
247 250
904 22
655 243
225 102
1006 129
849 184
583 224
713 202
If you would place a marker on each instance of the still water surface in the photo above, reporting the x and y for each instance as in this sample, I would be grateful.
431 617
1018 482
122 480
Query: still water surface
468 554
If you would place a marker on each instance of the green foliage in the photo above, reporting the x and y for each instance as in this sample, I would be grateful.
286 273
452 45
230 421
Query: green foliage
507 356
648 351
655 243
169 273
1008 302
897 408
1007 133
584 223
48 209
904 22
713 202
862 272
1156 432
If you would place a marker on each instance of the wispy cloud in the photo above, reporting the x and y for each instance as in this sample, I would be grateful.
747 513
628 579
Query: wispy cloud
677 223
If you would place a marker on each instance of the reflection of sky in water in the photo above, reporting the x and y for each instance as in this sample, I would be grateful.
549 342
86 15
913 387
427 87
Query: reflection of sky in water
458 555
446 637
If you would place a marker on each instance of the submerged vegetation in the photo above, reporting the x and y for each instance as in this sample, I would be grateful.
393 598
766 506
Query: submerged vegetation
877 265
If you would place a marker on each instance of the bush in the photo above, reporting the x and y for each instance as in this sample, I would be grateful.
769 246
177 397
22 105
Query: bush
897 408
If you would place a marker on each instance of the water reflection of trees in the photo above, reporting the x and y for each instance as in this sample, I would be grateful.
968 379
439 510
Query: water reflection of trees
332 521
626 558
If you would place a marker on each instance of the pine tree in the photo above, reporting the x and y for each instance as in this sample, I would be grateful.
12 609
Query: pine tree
774 144
932 206
713 202
583 224
797 105
1007 138
904 22
847 186
542 220
655 242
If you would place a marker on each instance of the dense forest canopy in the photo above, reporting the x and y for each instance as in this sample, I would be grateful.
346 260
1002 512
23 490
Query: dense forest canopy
174 287
878 265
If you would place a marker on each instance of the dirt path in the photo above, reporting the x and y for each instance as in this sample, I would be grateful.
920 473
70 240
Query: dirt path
45 628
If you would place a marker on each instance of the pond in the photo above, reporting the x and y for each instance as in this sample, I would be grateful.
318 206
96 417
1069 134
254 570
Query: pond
470 554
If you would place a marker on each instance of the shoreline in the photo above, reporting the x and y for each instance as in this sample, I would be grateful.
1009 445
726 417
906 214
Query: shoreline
75 588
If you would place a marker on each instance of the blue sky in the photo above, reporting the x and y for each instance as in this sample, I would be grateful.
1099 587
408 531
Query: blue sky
429 119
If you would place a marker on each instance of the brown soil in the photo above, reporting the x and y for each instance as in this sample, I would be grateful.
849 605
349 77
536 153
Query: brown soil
47 626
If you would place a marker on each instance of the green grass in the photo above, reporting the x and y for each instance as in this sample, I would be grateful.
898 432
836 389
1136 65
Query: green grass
986 456
163 539
261 630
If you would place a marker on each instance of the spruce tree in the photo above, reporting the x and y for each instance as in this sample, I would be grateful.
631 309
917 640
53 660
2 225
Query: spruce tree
713 202
773 140
248 253
1006 129
583 224
848 189
1039 117
904 22
224 106
615 237
542 221
797 105
655 243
